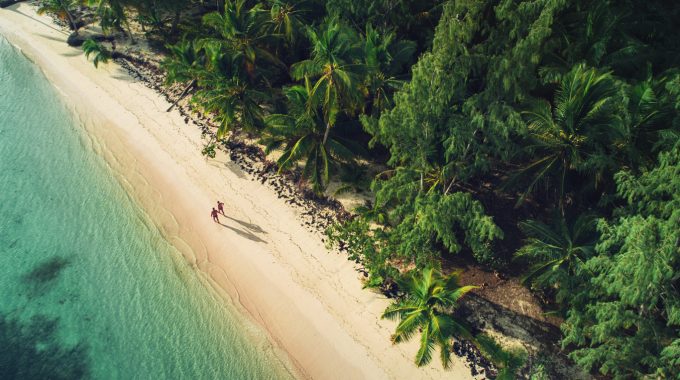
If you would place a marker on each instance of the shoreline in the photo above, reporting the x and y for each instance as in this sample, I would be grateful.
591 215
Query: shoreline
309 301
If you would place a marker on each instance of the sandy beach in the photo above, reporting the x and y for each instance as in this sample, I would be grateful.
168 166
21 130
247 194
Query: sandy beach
308 299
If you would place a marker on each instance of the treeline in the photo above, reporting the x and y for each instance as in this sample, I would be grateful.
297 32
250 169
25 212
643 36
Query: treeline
540 136
556 122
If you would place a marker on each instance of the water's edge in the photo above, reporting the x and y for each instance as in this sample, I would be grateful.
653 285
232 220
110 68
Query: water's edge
92 143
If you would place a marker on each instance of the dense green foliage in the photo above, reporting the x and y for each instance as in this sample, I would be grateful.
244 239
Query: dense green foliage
525 135
558 253
627 321
549 124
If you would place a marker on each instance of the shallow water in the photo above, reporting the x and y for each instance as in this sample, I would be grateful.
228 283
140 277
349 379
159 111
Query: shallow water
88 286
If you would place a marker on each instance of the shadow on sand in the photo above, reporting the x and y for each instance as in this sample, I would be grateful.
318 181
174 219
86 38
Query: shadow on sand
51 38
253 227
13 9
245 234
74 53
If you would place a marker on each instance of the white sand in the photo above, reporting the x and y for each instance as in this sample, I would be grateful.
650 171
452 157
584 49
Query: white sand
309 301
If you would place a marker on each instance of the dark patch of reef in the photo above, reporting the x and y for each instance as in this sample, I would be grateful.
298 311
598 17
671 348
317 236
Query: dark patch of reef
32 350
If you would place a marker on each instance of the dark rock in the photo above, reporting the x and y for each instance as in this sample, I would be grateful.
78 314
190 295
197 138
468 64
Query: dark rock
78 39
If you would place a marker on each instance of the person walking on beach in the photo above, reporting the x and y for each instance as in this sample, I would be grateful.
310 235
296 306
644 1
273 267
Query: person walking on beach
220 207
213 213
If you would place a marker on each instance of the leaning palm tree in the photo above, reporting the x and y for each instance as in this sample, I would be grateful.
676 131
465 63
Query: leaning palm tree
233 100
300 133
62 8
426 308
573 134
225 91
557 253
185 62
335 65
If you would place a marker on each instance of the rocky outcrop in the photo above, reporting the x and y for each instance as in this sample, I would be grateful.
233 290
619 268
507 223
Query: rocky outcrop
540 339
78 38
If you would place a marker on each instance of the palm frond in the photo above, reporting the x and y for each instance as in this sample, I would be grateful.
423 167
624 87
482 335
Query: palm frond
424 354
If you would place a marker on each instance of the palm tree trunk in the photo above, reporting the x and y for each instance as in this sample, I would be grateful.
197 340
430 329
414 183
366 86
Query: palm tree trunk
71 20
562 180
467 148
325 135
182 95
450 185
175 21
129 32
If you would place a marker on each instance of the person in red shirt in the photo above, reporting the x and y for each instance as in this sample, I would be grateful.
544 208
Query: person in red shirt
220 207
213 213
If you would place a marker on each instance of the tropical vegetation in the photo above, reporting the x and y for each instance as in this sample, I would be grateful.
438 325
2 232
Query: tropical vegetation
537 138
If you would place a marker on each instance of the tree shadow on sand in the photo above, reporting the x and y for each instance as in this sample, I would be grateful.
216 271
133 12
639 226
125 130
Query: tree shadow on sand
32 350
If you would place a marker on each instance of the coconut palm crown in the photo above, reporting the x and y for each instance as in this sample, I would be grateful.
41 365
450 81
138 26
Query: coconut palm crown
300 134
430 299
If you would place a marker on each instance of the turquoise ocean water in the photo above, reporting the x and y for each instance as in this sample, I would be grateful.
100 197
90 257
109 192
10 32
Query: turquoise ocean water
88 286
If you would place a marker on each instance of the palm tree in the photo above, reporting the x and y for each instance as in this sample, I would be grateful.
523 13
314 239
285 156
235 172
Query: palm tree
285 19
300 133
573 134
649 125
230 87
184 64
242 33
62 8
335 65
557 253
112 15
426 307
383 59
101 54
233 99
